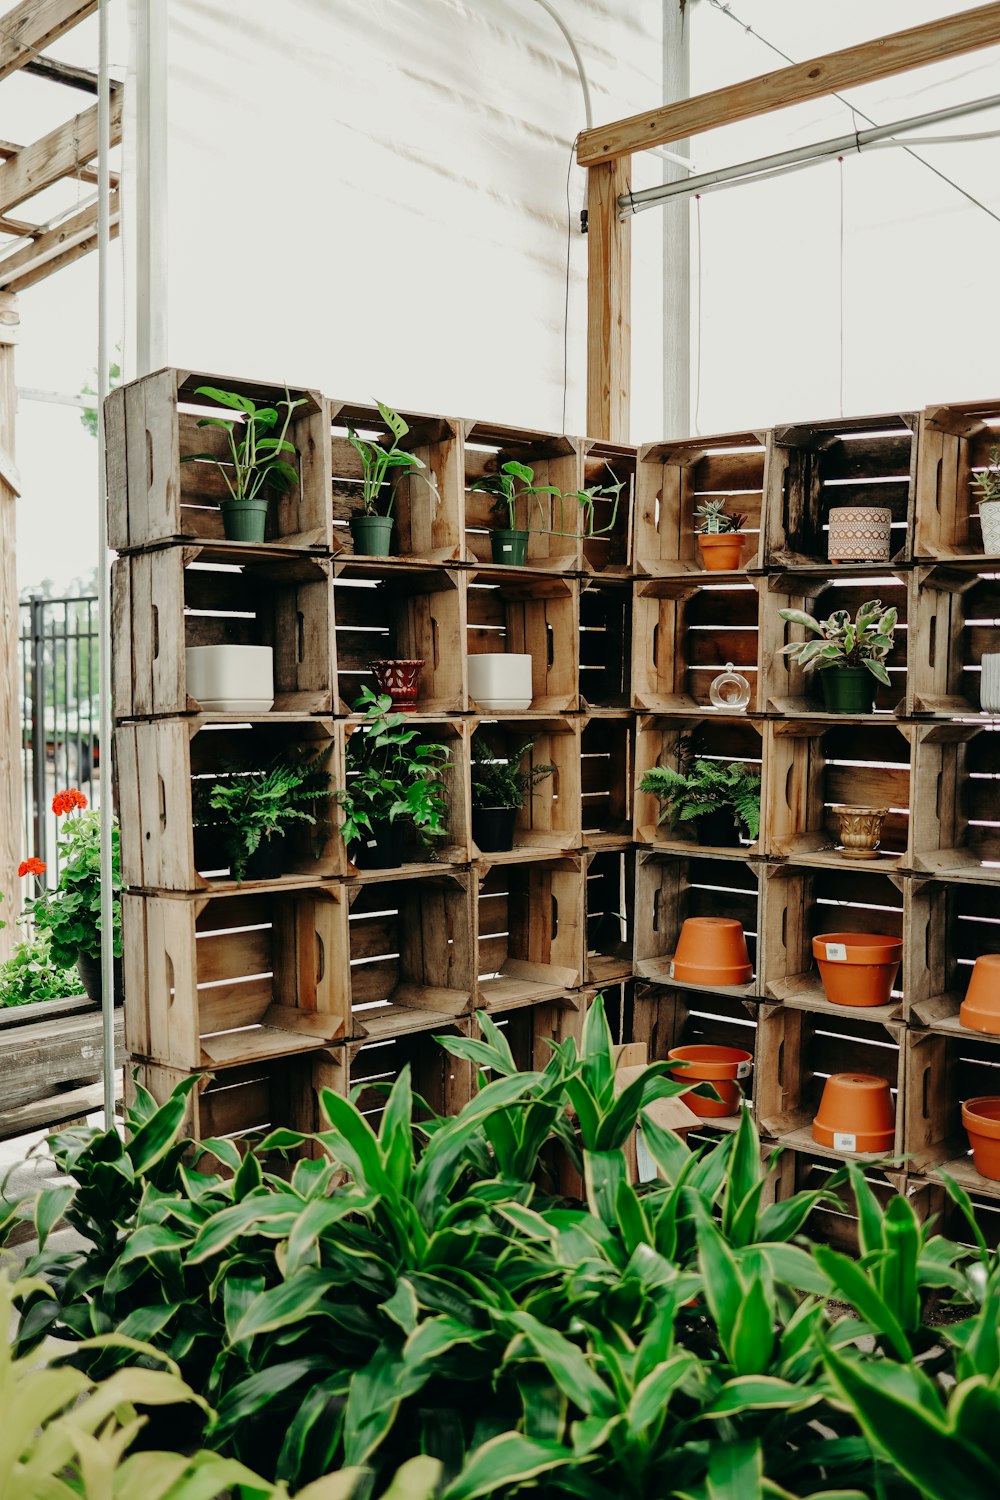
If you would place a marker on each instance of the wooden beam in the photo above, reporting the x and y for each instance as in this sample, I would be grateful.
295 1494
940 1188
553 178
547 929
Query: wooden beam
56 72
883 56
11 785
27 28
59 154
32 262
609 304
59 262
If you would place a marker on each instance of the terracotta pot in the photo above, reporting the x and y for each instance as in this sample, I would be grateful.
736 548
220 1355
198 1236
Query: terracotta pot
855 1114
401 680
859 534
712 951
980 1010
722 1067
857 968
861 831
721 551
981 1118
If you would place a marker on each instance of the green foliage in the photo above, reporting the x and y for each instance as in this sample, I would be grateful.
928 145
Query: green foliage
842 642
378 458
256 448
498 780
88 414
586 499
70 915
711 519
30 975
254 806
391 773
513 487
988 482
698 786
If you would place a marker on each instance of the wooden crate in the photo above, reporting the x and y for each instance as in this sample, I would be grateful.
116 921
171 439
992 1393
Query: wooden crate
791 690
530 931
955 810
663 742
675 478
816 766
401 611
219 981
685 632
607 746
664 1016
948 926
932 1200
154 498
941 1071
605 645
530 1029
454 846
836 1223
426 504
551 819
411 952
166 600
800 903
607 550
439 1080
609 894
813 467
797 1051
954 445
669 889
162 767
556 460
515 611
954 610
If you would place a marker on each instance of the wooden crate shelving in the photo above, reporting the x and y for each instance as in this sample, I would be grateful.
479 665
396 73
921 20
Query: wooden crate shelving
948 926
834 1221
955 608
441 1081
686 631
675 478
609 894
454 846
664 1016
607 541
154 498
954 445
669 888
551 819
955 813
941 1071
401 611
530 931
721 737
607 751
605 646
555 544
511 610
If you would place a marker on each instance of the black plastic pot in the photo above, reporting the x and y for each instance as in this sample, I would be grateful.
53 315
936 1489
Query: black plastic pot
493 828
718 830
88 966
267 862
381 850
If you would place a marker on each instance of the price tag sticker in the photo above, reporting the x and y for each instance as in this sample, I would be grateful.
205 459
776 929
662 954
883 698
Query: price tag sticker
371 844
842 1141
671 968
836 953
506 547
744 1069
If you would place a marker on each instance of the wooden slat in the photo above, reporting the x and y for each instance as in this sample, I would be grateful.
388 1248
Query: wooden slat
29 27
35 261
56 155
881 57
609 305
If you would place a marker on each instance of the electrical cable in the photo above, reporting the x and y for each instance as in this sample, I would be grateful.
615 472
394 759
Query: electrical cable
569 250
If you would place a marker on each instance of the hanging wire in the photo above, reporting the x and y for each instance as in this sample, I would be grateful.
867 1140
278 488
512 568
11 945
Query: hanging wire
569 249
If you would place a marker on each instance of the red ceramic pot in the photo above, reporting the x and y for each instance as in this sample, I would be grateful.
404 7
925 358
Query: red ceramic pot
400 679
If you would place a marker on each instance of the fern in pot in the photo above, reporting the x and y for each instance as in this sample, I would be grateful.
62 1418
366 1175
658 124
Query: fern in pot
394 779
718 800
254 812
501 784
849 655
256 462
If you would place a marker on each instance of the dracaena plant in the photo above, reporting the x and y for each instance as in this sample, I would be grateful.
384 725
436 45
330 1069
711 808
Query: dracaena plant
839 641
711 518
259 449
516 495
378 458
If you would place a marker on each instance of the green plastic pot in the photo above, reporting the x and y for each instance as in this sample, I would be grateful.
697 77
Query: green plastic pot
848 690
372 535
510 547
244 520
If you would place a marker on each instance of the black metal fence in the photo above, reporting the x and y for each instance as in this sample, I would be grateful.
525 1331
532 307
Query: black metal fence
60 710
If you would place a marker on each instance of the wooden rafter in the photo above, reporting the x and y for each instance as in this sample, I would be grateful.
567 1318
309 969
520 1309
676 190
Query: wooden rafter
59 154
949 36
27 28
57 72
33 262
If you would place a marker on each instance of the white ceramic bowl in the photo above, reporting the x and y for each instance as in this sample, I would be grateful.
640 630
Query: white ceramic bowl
231 679
500 683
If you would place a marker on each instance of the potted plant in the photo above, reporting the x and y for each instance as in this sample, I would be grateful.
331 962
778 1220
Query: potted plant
611 490
500 788
849 654
392 777
256 459
720 537
513 489
254 811
371 530
70 914
988 485
721 798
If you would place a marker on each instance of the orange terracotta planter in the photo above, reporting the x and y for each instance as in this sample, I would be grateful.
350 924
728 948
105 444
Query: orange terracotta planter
712 951
981 1118
722 1067
980 1010
722 551
857 968
856 1113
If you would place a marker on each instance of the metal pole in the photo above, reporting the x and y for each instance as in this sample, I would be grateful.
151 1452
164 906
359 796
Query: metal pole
38 741
104 563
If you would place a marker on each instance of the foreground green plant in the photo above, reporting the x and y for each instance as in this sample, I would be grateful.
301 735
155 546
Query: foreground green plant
70 915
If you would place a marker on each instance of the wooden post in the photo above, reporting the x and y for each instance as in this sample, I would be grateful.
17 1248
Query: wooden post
609 303
11 789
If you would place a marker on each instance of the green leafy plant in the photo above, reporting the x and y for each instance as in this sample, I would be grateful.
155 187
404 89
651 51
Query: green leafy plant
513 488
251 807
586 499
378 458
698 787
498 780
711 519
31 975
391 773
987 482
865 641
256 447
69 916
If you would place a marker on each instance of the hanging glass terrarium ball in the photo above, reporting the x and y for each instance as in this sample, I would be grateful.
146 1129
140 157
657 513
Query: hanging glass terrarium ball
730 690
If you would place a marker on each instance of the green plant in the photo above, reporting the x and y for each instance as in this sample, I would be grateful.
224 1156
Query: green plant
513 485
391 773
254 806
987 482
69 917
255 449
377 460
498 780
30 975
586 499
842 642
711 518
698 786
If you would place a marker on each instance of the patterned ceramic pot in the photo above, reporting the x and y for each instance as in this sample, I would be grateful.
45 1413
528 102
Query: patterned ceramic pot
401 680
859 534
989 683
861 830
989 516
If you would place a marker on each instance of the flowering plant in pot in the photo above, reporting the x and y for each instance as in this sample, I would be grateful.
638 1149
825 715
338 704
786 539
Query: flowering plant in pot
500 787
849 654
720 798
988 485
255 809
256 460
393 777
515 497
720 537
70 913
371 529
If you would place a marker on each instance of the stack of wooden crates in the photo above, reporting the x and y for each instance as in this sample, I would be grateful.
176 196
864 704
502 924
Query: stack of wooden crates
333 978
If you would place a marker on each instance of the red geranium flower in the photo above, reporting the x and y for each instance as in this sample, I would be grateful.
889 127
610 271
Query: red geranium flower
64 802
31 866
